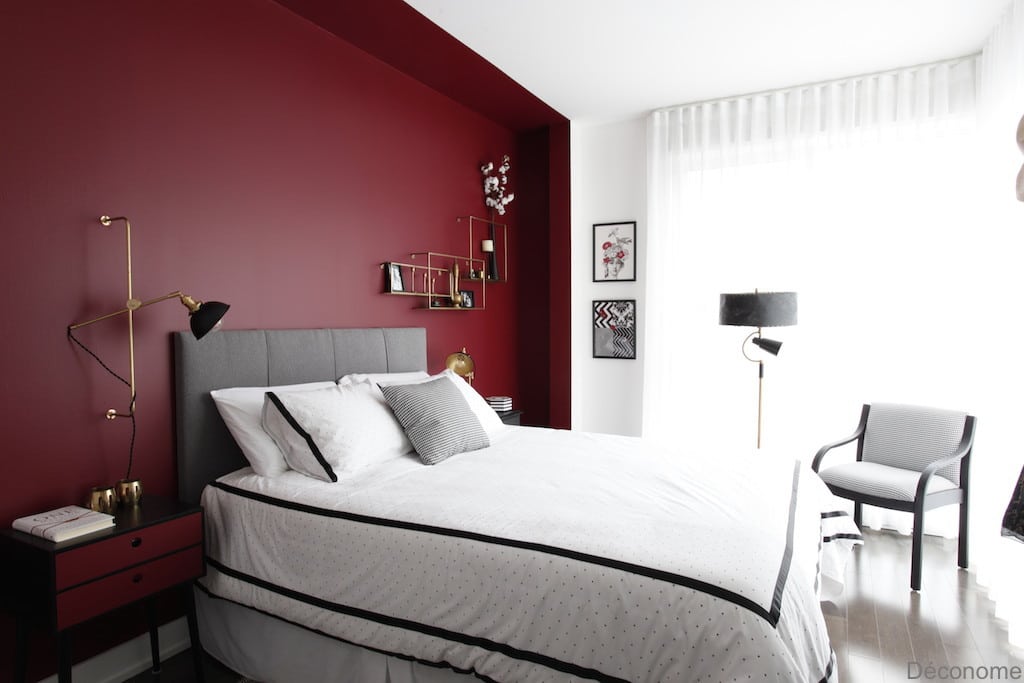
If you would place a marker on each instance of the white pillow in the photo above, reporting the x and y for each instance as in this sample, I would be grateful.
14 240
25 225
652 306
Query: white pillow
489 419
335 430
377 377
241 409
300 423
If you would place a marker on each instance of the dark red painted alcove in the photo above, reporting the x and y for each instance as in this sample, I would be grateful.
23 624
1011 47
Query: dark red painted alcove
263 161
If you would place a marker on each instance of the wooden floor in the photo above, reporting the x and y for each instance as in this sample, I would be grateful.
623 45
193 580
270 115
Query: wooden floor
877 628
179 669
880 626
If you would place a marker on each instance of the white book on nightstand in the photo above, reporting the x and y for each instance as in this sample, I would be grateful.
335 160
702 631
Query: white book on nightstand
63 523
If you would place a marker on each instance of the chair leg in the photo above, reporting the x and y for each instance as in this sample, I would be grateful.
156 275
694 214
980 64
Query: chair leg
915 552
857 510
961 555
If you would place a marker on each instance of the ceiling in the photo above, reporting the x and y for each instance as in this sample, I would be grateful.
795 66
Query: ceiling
608 60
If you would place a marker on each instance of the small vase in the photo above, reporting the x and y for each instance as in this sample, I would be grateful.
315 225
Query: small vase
492 256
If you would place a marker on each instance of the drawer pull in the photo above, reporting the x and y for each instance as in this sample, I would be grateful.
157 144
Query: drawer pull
137 578
136 542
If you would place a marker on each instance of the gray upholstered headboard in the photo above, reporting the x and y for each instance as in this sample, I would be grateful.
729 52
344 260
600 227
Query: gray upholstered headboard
249 358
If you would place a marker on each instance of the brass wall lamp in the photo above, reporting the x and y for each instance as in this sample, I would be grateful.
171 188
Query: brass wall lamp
203 317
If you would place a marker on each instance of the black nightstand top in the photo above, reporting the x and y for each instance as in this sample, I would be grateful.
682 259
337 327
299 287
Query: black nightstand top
152 510
510 417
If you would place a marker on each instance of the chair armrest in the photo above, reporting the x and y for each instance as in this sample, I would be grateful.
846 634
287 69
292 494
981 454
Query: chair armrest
820 455
858 433
962 451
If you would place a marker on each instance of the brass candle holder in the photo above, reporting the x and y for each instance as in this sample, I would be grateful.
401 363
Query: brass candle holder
102 499
129 492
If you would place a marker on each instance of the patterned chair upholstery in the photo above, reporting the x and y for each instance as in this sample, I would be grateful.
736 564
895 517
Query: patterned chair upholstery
909 458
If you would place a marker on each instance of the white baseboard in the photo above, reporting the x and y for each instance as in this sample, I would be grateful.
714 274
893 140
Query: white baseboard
131 658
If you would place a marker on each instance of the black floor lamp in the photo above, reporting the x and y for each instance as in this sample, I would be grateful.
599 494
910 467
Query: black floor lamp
758 309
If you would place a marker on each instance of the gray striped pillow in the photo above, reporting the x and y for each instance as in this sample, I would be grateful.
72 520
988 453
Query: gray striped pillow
436 418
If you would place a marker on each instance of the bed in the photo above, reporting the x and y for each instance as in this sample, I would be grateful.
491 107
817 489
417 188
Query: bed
549 555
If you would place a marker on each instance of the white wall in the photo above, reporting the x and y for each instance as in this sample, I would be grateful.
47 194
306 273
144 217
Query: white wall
609 171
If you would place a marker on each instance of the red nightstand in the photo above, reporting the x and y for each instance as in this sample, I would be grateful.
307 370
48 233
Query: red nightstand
153 547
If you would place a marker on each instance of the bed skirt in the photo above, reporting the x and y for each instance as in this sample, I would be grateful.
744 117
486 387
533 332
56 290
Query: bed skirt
238 637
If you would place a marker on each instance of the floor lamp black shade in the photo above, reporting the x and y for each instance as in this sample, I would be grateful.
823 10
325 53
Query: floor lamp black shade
758 309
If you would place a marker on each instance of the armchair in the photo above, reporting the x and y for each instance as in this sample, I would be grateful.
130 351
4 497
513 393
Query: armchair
909 458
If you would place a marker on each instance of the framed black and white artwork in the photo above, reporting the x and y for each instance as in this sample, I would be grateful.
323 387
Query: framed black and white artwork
395 283
615 252
615 328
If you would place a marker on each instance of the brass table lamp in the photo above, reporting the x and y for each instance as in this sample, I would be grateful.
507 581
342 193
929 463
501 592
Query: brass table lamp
461 363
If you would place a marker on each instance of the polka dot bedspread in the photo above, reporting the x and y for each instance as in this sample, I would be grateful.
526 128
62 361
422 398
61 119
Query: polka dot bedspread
548 556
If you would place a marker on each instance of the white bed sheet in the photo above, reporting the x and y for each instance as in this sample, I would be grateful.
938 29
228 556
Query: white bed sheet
549 556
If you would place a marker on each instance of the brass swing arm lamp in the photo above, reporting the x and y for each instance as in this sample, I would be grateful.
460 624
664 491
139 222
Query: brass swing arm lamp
203 316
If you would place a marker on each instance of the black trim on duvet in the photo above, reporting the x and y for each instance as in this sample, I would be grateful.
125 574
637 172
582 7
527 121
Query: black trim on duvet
409 658
426 629
399 655
771 615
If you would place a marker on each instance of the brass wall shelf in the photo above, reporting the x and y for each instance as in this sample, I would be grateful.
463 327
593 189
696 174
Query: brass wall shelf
453 282
481 231
438 278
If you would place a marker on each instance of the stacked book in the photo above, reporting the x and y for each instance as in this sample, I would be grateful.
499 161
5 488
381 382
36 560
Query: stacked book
63 523
500 403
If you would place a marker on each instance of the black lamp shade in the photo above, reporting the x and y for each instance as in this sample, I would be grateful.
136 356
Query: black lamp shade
769 345
206 317
758 309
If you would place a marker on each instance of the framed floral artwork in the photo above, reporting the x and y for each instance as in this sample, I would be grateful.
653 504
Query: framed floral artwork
615 252
615 329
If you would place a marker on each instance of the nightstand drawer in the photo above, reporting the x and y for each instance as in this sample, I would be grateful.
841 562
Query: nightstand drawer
94 560
95 598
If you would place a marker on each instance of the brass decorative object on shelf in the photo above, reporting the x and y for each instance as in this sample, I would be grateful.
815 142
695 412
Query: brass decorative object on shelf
453 286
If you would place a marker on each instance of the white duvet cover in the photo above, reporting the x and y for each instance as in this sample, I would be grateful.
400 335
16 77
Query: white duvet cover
550 556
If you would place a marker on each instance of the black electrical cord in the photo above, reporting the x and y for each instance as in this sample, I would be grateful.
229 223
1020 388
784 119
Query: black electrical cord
131 412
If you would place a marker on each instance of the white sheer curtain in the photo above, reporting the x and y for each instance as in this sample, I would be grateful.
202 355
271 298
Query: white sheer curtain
828 190
1001 104
875 200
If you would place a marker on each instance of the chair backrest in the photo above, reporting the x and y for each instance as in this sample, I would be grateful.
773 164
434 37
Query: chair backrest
912 437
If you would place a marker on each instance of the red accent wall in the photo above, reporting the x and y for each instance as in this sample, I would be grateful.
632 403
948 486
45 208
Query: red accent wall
263 162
